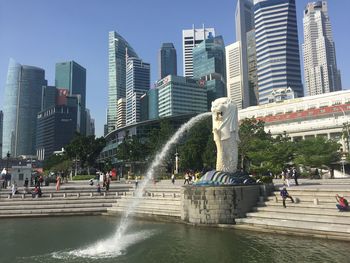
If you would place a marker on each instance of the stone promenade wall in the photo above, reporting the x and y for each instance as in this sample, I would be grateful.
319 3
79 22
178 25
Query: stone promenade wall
218 204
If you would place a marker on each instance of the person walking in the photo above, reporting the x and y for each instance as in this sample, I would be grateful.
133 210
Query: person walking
108 182
58 183
187 177
295 176
284 194
136 182
14 189
173 178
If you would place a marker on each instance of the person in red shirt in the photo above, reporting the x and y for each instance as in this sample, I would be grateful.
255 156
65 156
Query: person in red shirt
343 204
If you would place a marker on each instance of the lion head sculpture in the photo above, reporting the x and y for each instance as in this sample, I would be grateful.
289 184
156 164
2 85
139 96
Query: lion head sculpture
225 118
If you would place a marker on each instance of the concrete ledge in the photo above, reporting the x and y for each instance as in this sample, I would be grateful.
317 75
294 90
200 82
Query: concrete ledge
290 231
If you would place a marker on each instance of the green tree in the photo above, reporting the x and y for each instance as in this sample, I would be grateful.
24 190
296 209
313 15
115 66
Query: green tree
94 146
317 152
197 149
252 137
53 160
85 149
157 139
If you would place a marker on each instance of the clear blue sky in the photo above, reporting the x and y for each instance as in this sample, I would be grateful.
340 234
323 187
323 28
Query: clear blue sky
43 32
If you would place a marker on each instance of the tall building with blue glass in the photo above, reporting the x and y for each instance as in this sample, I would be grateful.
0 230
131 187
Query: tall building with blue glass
137 83
117 49
209 66
72 76
22 102
167 60
277 47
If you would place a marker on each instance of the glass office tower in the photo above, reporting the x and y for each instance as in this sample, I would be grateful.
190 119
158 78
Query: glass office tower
22 102
167 60
72 76
210 67
277 47
118 48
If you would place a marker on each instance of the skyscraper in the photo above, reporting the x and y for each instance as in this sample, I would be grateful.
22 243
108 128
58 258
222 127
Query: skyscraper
118 47
209 66
1 127
57 125
252 69
121 114
167 60
244 24
22 102
235 86
277 47
320 64
137 83
180 95
72 76
190 38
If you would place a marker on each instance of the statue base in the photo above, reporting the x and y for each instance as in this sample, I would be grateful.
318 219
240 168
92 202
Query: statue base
224 178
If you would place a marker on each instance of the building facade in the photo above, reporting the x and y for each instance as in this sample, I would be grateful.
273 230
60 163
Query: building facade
209 67
180 95
244 18
277 47
56 127
235 86
138 80
90 124
72 76
167 60
320 64
22 102
252 69
118 47
149 105
1 128
301 118
191 38
121 114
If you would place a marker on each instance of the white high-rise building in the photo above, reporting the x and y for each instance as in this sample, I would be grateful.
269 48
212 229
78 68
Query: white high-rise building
320 65
117 49
190 38
234 76
121 114
137 84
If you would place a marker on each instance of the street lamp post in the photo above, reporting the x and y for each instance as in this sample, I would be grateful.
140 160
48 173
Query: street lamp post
8 155
176 163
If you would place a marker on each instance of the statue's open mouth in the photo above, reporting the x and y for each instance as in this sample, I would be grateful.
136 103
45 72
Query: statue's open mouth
219 115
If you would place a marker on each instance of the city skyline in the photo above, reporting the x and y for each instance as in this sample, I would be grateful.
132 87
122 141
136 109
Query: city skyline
86 41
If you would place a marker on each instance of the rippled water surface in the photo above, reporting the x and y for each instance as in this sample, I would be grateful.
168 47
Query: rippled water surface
92 239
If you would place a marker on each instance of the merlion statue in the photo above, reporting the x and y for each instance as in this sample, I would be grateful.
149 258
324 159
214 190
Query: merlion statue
225 130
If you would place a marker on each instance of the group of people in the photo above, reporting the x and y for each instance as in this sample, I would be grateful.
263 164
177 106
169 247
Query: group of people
104 180
191 176
289 173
